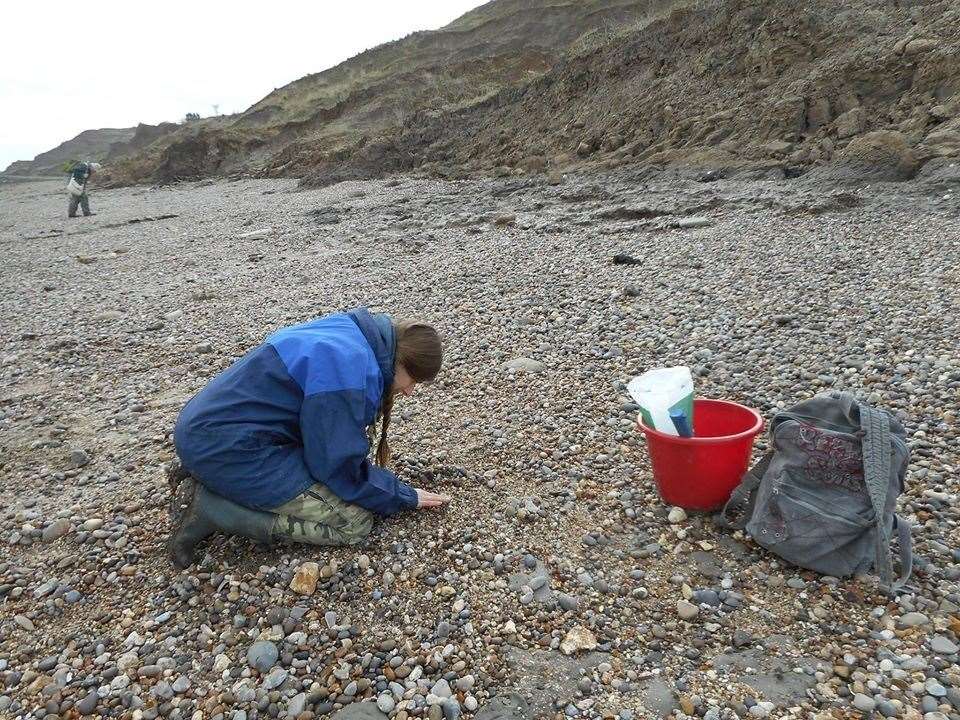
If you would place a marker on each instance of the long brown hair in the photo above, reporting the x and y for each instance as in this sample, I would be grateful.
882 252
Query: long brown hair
420 352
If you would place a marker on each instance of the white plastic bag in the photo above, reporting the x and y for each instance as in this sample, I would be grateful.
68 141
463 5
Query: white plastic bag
659 391
74 188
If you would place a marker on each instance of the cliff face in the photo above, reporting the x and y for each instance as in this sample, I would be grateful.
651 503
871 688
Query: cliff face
503 44
735 85
531 85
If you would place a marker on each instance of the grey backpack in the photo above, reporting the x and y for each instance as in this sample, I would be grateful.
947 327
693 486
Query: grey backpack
824 497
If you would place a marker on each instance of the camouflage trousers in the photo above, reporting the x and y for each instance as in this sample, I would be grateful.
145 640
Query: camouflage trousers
319 517
82 200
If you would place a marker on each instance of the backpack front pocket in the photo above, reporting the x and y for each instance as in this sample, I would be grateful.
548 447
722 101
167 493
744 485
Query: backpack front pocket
810 536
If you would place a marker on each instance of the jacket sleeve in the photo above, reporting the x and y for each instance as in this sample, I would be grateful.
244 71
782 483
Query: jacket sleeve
335 448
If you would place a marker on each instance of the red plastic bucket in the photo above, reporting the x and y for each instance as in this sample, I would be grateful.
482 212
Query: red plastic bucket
700 472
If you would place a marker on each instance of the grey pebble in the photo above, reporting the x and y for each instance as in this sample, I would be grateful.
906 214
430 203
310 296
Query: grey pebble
451 709
262 655
55 530
386 703
864 703
943 645
441 689
296 705
88 703
275 678
162 690
887 709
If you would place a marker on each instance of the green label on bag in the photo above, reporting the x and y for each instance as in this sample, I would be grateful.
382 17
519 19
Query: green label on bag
685 403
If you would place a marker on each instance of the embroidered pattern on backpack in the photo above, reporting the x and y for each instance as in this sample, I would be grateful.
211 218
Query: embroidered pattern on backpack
831 460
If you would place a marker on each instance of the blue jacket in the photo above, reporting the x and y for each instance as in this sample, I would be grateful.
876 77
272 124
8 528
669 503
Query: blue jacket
294 412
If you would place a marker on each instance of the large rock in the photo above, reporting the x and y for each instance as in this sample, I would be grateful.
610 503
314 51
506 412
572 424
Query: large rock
912 619
818 113
941 173
658 698
78 458
441 689
883 154
55 530
504 707
689 223
853 122
541 676
536 163
296 705
785 118
873 157
386 703
277 677
579 639
943 645
919 46
771 675
359 711
777 148
864 703
944 141
306 578
524 364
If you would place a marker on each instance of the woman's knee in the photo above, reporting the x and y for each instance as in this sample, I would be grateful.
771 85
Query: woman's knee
181 443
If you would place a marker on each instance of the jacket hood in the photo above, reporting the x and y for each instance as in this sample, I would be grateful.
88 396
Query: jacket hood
379 333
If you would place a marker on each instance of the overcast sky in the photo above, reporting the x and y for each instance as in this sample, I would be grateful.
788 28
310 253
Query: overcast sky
66 67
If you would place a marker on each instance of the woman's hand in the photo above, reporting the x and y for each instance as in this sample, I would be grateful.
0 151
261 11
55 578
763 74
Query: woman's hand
430 500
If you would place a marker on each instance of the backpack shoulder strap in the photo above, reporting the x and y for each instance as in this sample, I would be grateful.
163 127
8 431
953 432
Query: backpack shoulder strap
739 508
906 553
876 475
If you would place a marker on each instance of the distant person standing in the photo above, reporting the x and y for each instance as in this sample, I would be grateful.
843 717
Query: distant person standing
77 187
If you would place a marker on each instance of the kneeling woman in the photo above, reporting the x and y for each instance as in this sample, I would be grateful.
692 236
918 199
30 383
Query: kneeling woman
279 442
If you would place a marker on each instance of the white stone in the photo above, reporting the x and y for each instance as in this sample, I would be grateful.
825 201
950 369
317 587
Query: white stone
579 639
256 234
687 610
524 364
